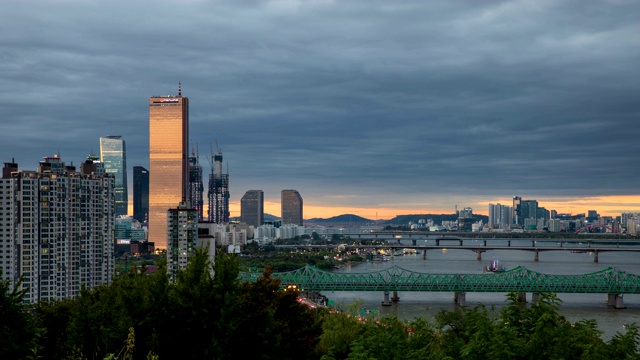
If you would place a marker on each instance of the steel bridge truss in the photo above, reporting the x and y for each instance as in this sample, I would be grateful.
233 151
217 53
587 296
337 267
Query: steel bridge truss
607 281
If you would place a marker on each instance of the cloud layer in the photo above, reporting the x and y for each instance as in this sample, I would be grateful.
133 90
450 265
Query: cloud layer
354 103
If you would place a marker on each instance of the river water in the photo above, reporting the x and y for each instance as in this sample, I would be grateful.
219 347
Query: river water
574 307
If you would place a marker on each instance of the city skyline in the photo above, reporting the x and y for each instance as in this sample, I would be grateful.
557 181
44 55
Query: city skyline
371 109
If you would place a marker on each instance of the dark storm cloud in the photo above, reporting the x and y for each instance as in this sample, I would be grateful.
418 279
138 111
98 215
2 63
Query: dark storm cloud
376 99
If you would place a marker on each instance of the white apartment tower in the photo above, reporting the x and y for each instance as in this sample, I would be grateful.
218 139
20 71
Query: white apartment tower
182 237
56 229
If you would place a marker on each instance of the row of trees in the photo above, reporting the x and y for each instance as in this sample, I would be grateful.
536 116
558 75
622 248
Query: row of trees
202 316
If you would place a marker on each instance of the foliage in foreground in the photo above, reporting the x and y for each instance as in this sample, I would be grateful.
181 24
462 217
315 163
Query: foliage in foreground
203 316
519 332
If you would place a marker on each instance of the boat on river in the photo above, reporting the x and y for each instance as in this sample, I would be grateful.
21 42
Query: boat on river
495 267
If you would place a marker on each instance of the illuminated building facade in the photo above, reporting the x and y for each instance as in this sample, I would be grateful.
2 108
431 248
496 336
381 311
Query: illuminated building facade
168 161
218 192
113 156
140 194
291 206
252 208
57 232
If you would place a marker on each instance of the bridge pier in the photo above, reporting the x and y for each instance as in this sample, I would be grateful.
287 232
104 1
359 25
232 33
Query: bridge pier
414 242
534 297
616 300
595 256
460 298
535 256
461 242
424 254
437 242
386 301
395 298
533 243
521 298
509 243
484 242
479 255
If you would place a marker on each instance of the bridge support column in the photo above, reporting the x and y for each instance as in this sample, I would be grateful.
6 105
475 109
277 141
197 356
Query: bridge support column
395 298
460 298
534 297
461 242
535 256
478 255
484 243
595 256
437 242
611 299
522 298
386 301
414 241
509 243
424 254
619 302
533 243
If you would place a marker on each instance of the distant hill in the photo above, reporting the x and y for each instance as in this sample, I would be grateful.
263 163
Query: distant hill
345 218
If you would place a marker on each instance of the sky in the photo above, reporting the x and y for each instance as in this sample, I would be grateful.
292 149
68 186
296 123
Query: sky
374 108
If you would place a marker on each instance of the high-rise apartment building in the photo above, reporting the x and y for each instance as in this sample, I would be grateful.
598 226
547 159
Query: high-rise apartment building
57 229
291 206
113 155
500 216
252 208
168 161
218 192
140 194
182 236
196 189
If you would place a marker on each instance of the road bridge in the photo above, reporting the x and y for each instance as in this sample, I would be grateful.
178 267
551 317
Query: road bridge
611 281
481 246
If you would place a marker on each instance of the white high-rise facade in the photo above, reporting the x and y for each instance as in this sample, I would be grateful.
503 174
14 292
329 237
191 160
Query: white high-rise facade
56 229
500 216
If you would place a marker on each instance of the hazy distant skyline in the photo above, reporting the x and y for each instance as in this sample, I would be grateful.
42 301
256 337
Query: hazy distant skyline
364 107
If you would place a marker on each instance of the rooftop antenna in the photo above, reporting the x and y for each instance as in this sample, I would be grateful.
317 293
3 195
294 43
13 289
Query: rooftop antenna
179 88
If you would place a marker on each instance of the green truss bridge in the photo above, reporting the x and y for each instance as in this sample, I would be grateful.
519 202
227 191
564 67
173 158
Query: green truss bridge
611 281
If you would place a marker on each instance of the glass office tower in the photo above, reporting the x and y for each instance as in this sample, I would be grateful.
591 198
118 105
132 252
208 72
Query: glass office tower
291 205
140 194
113 155
168 161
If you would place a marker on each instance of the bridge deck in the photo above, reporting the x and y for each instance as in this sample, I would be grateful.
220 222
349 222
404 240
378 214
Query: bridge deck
606 281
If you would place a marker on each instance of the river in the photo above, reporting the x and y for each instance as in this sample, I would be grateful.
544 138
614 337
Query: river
574 307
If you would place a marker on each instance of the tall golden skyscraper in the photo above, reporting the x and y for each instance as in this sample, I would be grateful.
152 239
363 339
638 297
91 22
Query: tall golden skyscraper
168 161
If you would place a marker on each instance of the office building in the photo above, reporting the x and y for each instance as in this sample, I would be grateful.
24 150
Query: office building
140 194
252 208
515 208
218 195
182 236
168 161
57 232
291 206
196 189
113 156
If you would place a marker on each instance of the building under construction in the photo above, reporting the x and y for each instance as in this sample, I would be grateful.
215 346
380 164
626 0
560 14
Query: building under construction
196 187
218 191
